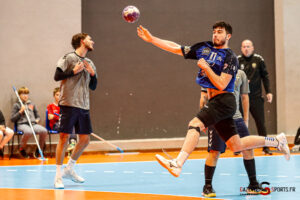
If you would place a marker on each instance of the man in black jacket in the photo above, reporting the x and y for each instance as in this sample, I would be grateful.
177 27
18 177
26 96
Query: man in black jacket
254 67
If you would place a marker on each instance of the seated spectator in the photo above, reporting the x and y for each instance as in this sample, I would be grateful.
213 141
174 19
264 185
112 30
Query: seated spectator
53 110
18 116
5 134
53 116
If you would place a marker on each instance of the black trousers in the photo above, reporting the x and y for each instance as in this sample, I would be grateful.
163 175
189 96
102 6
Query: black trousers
258 113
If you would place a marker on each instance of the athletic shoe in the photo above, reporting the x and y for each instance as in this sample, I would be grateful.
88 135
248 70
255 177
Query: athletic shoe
170 165
36 154
283 145
208 191
1 153
267 151
24 154
70 174
58 184
255 189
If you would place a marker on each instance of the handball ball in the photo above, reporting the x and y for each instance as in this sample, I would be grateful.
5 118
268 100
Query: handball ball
131 14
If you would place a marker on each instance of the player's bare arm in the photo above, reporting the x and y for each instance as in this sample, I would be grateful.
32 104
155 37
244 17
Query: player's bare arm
219 82
163 44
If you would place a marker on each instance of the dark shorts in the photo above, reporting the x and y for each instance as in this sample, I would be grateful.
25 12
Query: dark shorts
216 143
218 112
74 117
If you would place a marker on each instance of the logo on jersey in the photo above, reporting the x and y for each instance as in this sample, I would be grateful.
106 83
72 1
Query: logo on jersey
219 59
187 50
206 51
253 65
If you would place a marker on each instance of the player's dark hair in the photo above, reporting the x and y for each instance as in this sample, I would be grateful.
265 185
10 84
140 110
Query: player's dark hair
225 25
77 38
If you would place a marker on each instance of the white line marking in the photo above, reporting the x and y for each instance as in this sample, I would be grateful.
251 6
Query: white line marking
31 170
187 173
50 170
242 174
109 171
148 172
165 172
11 170
89 171
281 176
128 172
262 175
297 176
225 174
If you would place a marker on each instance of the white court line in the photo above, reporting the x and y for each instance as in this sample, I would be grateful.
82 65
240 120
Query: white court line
128 172
109 171
148 172
89 171
31 170
50 170
11 170
297 176
281 176
165 173
242 174
262 175
187 173
225 174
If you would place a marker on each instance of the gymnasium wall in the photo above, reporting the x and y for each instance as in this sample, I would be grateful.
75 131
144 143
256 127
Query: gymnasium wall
145 92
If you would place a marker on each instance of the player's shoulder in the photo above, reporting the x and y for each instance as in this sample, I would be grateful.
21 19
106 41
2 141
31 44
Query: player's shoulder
201 44
257 56
68 55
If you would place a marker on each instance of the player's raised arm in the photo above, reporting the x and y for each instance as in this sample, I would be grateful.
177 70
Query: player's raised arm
163 44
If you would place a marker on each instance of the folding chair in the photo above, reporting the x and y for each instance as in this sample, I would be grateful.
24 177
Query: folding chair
50 132
18 134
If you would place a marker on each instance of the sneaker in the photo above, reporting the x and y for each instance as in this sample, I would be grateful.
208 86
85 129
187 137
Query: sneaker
208 191
255 189
267 151
36 154
58 184
170 165
1 153
24 154
70 174
283 145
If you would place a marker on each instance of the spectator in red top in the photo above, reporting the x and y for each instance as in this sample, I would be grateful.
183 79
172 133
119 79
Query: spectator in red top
54 110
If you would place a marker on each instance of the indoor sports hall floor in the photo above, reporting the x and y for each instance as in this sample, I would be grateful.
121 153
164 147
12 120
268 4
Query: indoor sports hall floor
139 176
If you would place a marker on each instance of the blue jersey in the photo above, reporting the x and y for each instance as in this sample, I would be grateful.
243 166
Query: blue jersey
220 61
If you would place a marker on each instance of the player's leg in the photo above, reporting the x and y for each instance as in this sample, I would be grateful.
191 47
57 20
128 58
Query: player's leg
215 146
83 127
67 121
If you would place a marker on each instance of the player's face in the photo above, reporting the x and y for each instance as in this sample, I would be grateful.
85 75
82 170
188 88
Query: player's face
247 48
219 37
56 96
89 43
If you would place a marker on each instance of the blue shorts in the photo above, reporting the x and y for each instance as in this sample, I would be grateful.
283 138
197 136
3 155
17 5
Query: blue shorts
74 117
217 144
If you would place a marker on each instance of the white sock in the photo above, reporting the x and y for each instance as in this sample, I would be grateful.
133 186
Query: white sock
181 158
58 170
271 142
71 163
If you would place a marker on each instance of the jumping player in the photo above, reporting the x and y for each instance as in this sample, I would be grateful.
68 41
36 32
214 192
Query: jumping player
216 145
77 75
218 66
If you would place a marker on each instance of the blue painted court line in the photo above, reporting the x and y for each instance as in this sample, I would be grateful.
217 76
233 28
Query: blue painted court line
151 178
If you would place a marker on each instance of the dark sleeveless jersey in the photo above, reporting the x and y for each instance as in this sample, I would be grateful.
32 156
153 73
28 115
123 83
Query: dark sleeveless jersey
220 60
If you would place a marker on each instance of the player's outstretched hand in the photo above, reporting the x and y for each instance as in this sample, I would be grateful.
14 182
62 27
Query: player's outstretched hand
144 33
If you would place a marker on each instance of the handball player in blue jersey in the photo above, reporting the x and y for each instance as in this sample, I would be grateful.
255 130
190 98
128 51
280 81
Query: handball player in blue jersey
218 67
